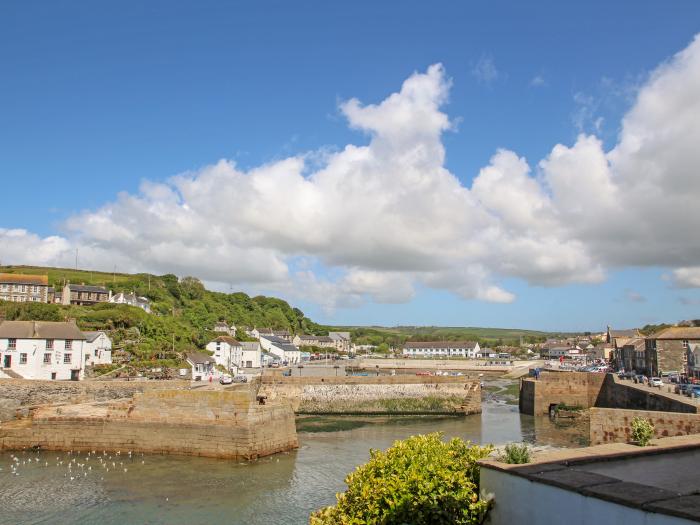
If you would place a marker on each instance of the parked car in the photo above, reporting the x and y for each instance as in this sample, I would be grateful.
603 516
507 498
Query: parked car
681 388
693 391
656 381
240 379
640 378
225 380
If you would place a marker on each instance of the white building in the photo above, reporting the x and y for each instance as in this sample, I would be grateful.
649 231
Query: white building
97 348
251 357
224 328
321 341
227 352
468 349
132 300
284 350
202 366
42 350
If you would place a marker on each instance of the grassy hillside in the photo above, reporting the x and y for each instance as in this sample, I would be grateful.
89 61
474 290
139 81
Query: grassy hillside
184 312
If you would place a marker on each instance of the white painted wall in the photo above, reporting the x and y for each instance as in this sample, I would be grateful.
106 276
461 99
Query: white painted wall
35 349
442 352
226 355
519 500
99 351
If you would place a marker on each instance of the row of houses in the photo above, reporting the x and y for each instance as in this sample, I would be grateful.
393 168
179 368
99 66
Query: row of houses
673 349
50 350
23 288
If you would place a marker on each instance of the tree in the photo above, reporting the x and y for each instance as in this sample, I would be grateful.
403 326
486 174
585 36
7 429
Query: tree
421 481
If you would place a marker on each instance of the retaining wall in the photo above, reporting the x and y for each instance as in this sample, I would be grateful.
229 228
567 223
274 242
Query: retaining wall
375 395
615 425
203 423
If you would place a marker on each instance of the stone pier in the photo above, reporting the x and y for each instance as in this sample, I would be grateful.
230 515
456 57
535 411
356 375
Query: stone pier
220 424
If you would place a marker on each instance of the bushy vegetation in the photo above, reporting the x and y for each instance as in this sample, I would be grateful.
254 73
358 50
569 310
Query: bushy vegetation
184 313
516 454
421 480
642 431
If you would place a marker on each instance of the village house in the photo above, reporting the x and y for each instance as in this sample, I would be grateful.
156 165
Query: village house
97 348
321 341
441 349
227 352
131 299
284 350
281 334
84 295
251 356
693 361
21 288
42 350
224 328
342 341
633 355
667 350
202 366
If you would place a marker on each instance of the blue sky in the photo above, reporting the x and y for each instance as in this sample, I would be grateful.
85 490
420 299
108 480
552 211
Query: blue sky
95 98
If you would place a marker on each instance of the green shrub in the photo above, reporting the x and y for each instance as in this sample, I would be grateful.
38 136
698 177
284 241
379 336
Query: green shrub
642 431
516 454
421 480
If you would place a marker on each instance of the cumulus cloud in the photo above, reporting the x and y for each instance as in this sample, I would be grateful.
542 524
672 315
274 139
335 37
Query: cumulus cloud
373 222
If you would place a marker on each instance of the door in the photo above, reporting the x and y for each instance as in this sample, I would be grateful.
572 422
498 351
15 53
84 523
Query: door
7 361
74 375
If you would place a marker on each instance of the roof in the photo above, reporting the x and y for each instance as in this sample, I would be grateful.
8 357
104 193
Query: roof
22 278
624 333
250 345
440 344
40 330
87 288
91 336
226 339
636 342
339 335
199 358
319 338
678 332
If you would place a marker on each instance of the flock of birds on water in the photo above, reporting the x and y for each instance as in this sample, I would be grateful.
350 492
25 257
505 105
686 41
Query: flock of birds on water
76 466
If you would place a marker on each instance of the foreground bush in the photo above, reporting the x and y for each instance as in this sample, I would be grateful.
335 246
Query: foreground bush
421 480
516 454
642 431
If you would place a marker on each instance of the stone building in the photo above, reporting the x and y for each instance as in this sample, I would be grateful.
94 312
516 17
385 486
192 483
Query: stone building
667 350
84 295
42 350
633 355
21 288
322 341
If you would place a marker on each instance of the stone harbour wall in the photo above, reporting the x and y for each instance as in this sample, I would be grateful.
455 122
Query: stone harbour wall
17 396
217 424
609 425
378 395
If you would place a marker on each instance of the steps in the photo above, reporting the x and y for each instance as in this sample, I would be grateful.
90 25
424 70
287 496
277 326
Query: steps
7 373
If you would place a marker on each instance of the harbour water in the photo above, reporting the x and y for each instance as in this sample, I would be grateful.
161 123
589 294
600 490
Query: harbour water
281 489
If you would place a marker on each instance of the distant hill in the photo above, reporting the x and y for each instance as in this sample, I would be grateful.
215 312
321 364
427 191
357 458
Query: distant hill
184 312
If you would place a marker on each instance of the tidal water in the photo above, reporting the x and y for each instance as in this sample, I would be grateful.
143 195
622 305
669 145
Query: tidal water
282 489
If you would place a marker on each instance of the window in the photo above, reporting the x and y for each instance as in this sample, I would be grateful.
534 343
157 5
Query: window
12 343
69 344
96 353
685 344
49 344
47 359
67 359
22 359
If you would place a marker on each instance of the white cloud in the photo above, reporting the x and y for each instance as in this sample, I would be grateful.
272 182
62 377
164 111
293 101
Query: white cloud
538 81
373 222
485 70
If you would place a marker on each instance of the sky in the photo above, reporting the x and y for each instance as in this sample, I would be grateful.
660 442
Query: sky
501 163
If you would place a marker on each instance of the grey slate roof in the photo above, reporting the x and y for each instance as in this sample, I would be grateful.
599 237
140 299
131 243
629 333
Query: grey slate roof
91 336
199 358
87 288
40 330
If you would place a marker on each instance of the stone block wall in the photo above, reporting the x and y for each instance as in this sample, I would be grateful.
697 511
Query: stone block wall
378 395
617 393
615 425
214 424
570 388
